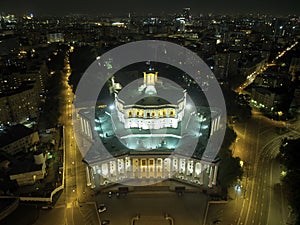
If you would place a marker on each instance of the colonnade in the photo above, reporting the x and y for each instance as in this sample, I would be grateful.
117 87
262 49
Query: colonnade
156 167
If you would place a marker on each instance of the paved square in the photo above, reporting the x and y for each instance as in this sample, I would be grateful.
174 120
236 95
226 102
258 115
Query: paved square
152 206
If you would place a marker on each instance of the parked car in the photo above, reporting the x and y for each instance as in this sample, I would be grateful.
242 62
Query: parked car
102 208
104 222
217 221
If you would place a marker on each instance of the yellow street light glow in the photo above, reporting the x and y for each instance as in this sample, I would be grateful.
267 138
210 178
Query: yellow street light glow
283 173
241 163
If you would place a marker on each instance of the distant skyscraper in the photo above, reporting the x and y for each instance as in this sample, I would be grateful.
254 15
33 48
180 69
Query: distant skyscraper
55 37
187 14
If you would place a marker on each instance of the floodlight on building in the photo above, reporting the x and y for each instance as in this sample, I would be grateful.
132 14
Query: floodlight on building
188 106
112 107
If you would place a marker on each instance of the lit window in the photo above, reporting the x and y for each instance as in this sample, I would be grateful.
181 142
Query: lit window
172 112
160 113
153 113
141 113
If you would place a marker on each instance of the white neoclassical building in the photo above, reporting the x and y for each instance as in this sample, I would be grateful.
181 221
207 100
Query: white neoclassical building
142 133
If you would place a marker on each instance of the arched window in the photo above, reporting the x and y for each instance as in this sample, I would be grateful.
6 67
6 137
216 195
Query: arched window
130 113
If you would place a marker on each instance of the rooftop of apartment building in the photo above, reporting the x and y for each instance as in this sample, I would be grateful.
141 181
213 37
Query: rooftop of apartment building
13 133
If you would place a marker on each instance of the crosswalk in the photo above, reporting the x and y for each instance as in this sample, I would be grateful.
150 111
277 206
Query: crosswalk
87 212
89 215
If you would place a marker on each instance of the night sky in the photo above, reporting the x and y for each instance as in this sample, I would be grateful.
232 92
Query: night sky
119 7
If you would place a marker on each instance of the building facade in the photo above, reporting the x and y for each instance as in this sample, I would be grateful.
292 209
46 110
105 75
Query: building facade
17 138
19 105
160 166
143 145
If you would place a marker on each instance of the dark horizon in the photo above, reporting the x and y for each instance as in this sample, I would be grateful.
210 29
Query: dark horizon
92 7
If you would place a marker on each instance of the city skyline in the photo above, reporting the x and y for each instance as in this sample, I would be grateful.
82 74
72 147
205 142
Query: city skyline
118 118
55 7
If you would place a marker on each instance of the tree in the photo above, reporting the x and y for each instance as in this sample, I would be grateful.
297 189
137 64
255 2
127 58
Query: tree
236 107
80 60
289 156
230 169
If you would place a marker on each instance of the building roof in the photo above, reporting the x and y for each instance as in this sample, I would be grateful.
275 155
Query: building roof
24 166
180 139
166 93
152 100
13 133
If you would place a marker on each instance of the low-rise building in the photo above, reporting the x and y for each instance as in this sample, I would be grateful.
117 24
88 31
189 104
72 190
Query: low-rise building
17 138
19 104
271 100
28 171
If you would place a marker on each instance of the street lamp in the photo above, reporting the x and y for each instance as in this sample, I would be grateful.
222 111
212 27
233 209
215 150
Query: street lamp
135 218
170 219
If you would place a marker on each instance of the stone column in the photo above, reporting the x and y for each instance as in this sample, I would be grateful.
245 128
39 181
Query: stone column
210 177
215 175
128 166
101 179
194 168
201 174
135 167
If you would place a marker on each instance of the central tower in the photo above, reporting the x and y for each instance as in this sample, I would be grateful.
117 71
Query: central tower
143 108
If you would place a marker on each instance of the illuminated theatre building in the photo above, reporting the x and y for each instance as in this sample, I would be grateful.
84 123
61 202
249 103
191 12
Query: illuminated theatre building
147 136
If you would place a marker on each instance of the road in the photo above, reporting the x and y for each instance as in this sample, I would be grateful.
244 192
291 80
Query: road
265 201
261 199
78 199
251 77
76 205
